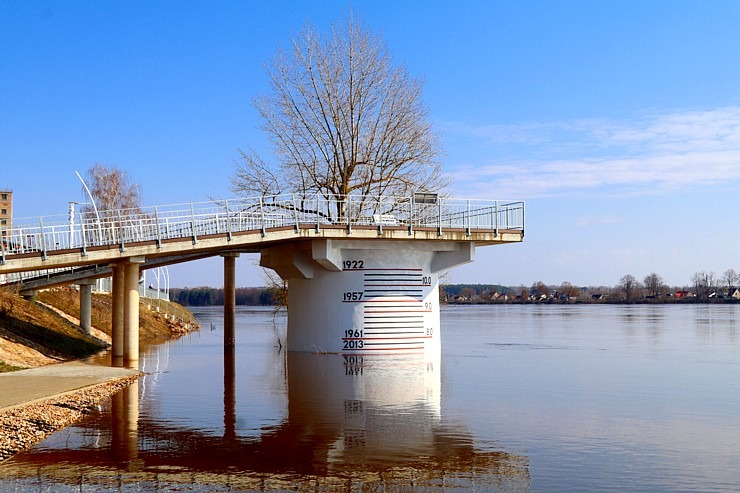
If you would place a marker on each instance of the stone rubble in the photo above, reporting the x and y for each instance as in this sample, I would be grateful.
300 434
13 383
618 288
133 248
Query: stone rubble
24 426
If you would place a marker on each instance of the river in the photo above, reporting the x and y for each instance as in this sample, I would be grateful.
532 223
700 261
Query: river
533 398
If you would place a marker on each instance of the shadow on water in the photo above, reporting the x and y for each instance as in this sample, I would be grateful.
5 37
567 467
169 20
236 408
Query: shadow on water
353 423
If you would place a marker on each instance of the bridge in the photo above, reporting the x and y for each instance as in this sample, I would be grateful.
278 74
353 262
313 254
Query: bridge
362 270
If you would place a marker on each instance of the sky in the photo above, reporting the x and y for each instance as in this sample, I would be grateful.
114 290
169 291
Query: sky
618 122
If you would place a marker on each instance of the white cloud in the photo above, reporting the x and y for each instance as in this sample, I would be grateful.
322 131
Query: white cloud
651 153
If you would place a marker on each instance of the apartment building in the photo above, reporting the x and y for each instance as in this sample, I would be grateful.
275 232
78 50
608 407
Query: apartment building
6 210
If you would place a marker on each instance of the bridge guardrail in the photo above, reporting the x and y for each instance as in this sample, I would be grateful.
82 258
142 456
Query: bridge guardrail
119 227
169 310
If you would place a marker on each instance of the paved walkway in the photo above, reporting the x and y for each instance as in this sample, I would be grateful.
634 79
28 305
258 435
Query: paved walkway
27 386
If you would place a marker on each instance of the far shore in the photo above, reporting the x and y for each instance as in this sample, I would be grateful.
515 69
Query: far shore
668 301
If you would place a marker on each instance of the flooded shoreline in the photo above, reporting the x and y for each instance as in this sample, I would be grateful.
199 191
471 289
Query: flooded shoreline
23 426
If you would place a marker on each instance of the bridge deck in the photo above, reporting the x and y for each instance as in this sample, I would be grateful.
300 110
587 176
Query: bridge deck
170 234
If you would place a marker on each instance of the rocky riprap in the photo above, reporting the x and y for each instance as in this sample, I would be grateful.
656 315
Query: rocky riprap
24 426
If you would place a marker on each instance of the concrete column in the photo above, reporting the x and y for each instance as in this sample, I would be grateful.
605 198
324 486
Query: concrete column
29 294
118 310
229 299
131 313
86 305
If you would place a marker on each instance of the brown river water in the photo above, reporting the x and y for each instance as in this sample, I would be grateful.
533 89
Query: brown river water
533 398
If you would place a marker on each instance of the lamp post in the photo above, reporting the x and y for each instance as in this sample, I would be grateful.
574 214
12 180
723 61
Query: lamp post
95 208
72 205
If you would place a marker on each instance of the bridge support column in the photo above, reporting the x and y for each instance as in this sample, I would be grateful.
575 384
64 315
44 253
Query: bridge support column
229 300
86 305
29 294
131 310
364 296
118 299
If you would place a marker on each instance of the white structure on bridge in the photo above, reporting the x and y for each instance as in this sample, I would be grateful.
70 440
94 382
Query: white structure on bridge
362 270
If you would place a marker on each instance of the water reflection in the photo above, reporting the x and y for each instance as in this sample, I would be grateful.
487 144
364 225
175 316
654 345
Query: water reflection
353 423
124 442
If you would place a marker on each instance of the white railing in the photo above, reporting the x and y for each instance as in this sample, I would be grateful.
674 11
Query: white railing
120 227
40 275
170 311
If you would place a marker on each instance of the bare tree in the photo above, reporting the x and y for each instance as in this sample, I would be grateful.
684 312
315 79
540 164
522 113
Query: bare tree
629 286
468 293
523 292
342 118
113 189
540 288
654 284
704 283
279 288
570 290
730 278
443 280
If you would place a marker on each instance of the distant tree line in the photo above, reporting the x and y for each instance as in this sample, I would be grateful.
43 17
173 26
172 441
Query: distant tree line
205 296
704 287
470 290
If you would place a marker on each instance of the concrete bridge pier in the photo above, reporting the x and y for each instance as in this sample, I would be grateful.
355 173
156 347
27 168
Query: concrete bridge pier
364 296
229 300
131 310
229 345
117 296
125 312
85 286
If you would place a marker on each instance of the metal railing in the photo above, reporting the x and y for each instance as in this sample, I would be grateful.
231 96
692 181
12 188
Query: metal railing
169 310
41 274
121 227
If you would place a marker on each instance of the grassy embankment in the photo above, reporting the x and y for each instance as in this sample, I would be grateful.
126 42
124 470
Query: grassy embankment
32 334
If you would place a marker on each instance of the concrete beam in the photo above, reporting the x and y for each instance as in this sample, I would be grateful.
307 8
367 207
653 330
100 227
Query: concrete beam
327 254
462 254
290 261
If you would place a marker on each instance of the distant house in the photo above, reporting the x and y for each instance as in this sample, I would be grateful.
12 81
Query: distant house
684 294
735 294
598 297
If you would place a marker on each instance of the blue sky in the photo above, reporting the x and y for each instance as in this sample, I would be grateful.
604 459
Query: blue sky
617 121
